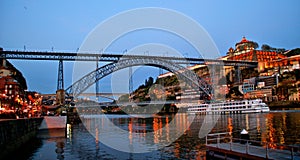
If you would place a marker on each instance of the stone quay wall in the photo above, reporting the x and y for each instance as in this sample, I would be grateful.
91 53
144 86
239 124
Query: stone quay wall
16 132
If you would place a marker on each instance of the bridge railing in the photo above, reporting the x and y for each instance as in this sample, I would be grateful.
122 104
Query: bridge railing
251 146
217 138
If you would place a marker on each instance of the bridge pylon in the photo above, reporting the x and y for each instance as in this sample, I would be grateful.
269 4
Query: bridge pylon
60 92
130 87
97 82
238 74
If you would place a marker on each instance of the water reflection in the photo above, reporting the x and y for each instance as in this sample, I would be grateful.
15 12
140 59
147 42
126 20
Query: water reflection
269 127
60 149
280 128
277 127
138 135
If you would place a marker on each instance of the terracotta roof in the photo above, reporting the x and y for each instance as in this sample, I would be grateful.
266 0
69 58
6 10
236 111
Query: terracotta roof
244 40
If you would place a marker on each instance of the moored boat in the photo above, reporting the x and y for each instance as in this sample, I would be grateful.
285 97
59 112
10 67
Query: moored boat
53 126
243 106
53 122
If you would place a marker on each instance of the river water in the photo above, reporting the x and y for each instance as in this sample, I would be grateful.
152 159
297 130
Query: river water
159 137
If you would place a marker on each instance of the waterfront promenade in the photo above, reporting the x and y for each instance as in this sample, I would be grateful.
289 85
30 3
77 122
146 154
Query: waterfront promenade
222 146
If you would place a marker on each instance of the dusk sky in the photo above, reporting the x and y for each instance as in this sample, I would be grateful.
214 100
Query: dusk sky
64 25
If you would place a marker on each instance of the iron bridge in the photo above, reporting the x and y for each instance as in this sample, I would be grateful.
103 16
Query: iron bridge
119 61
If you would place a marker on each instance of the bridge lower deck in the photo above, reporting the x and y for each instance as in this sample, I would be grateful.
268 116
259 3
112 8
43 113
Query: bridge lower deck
246 151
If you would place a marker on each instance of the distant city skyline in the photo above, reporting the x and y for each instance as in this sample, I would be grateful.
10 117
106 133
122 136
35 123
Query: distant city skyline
64 25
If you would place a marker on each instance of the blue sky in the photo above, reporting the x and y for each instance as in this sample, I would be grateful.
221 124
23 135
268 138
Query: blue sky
64 25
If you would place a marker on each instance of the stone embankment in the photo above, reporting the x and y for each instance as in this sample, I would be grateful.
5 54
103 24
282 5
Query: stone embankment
16 132
283 104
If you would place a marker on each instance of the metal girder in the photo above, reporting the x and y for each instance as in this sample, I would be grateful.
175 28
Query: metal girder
182 73
58 56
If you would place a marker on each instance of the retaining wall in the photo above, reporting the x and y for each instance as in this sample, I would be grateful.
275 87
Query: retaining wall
16 132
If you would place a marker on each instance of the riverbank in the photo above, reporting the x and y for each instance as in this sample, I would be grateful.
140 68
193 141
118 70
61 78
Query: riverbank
283 104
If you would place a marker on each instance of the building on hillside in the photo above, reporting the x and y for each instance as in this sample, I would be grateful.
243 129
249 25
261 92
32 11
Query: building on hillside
267 81
264 94
294 92
286 64
246 50
248 85
260 87
12 87
206 73
272 63
261 82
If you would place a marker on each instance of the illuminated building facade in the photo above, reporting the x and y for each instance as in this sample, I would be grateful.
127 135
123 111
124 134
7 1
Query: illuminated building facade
271 64
12 87
245 50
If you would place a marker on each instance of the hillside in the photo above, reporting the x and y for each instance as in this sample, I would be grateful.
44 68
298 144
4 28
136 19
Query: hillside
293 52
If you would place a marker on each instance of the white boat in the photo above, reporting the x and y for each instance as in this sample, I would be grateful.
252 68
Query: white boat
53 122
243 106
53 127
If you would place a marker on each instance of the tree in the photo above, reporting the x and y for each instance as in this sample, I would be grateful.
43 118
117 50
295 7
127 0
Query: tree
265 47
149 82
293 52
255 45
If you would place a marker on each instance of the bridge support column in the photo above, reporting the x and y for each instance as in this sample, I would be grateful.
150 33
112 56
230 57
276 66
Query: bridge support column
218 79
60 93
130 84
60 79
212 69
60 97
237 75
97 82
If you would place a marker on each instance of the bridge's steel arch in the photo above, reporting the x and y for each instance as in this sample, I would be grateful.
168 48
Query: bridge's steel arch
182 73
